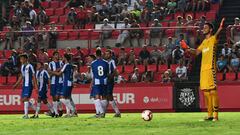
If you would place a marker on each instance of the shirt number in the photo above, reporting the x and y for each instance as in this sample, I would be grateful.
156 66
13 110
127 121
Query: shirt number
100 71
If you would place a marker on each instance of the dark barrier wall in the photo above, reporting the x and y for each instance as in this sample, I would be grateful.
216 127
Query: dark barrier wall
186 97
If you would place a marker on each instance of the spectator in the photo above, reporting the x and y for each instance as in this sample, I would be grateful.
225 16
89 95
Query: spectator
235 31
74 3
32 58
147 76
122 56
132 58
226 51
171 5
33 15
182 5
82 17
52 36
179 24
25 8
118 79
72 16
11 66
201 22
106 31
125 13
42 36
94 15
202 5
167 52
124 33
181 40
177 54
144 56
29 44
155 55
189 21
181 72
156 32
135 77
166 78
222 66
27 32
135 14
10 38
89 74
136 33
42 16
18 12
43 56
234 63
78 57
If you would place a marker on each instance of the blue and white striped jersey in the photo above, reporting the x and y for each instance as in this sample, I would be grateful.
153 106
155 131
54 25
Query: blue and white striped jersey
42 79
53 67
27 74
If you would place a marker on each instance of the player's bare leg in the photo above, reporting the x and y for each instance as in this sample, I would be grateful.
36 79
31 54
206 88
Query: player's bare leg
215 102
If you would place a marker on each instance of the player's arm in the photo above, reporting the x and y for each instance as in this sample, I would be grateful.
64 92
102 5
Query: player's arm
35 84
220 27
194 51
18 82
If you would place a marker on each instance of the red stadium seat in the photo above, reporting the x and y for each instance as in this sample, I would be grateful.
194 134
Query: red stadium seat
89 26
62 19
219 76
63 35
156 2
211 15
49 11
6 28
173 67
163 68
59 27
115 34
83 69
12 79
73 35
215 7
68 27
170 32
45 4
84 35
128 68
168 17
53 19
59 11
198 15
230 76
152 67
94 35
2 79
54 4
173 24
164 24
178 14
62 4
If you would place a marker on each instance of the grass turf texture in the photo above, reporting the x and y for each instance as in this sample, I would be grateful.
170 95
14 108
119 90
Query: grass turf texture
129 124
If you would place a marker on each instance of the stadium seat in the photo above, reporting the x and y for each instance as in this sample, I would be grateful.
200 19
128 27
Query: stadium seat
173 67
164 24
62 4
83 69
163 68
178 14
54 4
152 67
128 68
168 17
170 33
63 35
94 35
6 28
211 15
68 27
219 76
53 19
12 79
59 11
59 27
84 35
215 7
49 11
173 24
62 19
230 76
73 35
45 4
2 79
156 2
115 34
198 15
89 26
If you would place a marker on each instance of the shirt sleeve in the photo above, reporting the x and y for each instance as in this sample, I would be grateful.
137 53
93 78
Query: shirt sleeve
31 68
200 47
64 68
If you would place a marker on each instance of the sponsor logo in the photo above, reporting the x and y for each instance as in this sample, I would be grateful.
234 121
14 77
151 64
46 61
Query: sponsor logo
205 50
145 99
8 100
187 96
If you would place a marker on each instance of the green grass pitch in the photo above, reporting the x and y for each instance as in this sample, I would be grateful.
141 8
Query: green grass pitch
129 124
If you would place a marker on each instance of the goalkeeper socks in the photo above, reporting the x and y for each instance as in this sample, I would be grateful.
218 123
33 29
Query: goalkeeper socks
114 106
26 104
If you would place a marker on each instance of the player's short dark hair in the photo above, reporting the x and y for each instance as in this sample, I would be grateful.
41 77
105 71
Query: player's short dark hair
98 53
40 62
55 52
24 55
67 56
109 50
92 56
210 25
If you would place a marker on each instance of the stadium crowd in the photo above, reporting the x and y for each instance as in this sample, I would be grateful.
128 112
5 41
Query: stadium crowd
30 15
